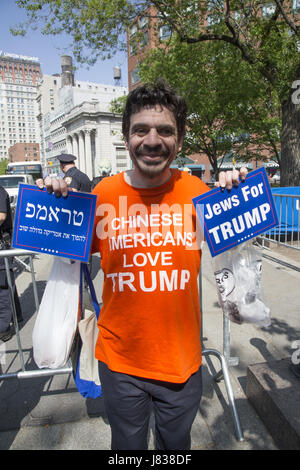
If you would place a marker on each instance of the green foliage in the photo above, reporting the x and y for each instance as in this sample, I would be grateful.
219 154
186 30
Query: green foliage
117 105
3 166
227 102
267 42
96 27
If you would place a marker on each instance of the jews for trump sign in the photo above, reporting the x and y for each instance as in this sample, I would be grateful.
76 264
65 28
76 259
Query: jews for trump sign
231 217
54 225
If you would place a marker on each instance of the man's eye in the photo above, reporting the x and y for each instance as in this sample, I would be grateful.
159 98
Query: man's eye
165 132
140 131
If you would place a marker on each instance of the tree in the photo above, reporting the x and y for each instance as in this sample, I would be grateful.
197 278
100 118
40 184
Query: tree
229 111
266 35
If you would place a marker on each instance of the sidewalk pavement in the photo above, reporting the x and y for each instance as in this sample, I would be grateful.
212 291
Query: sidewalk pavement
48 413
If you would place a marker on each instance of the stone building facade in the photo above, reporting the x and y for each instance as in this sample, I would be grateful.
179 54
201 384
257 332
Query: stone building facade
95 137
82 124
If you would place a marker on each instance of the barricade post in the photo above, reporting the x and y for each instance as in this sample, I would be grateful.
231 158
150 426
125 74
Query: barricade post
225 361
23 373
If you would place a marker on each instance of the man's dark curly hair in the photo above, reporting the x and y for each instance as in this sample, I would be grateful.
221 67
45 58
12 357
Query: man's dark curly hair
151 94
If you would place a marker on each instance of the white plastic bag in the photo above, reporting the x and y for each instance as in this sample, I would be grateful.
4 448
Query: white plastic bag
238 277
88 331
57 318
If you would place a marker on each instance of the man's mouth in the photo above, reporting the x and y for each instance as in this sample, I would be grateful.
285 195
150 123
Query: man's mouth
153 157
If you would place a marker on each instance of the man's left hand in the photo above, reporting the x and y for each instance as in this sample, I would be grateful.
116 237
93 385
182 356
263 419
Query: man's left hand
227 179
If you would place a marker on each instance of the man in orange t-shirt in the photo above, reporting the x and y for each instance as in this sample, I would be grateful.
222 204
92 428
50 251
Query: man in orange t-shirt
150 259
149 345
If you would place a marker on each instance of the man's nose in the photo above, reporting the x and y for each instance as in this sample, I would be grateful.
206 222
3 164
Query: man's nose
152 138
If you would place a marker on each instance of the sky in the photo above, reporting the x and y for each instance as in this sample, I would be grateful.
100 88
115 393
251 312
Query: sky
49 49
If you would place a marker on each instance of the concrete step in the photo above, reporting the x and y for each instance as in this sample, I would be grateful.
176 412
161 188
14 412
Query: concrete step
274 392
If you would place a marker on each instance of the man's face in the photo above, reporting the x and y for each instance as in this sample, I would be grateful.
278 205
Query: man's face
153 140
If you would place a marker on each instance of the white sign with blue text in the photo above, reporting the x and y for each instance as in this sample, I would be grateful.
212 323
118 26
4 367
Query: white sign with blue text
231 217
60 226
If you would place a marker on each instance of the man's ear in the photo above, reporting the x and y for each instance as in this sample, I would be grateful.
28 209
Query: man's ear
180 143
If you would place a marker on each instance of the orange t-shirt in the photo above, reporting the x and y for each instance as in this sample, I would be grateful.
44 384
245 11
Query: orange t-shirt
149 325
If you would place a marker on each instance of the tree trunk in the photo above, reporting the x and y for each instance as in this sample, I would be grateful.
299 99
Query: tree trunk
290 142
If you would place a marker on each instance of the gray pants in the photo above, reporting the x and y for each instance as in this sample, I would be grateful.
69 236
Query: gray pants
129 400
5 299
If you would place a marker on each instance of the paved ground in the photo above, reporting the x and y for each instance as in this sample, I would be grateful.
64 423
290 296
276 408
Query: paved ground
48 412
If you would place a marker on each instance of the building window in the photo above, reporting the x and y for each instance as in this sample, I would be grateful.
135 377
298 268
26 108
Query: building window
268 10
164 32
145 39
296 6
133 30
144 20
135 76
133 47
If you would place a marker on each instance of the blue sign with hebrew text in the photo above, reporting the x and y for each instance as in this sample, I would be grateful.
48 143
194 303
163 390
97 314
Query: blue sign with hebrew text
60 226
231 217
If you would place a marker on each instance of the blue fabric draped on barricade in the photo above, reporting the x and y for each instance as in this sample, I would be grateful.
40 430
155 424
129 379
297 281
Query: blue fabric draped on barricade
288 210
85 365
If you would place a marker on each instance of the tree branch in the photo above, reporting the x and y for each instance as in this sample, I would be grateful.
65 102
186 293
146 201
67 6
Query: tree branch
227 20
288 21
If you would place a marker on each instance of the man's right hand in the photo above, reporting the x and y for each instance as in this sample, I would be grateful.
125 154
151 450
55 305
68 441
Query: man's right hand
53 185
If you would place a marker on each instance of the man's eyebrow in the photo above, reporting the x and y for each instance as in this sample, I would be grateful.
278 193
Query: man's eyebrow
167 127
159 127
139 124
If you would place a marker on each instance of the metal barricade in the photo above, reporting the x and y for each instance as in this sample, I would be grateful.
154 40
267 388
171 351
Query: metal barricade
225 361
23 373
288 231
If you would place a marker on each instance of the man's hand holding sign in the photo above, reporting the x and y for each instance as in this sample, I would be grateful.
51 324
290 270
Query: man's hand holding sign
227 179
55 225
232 217
58 186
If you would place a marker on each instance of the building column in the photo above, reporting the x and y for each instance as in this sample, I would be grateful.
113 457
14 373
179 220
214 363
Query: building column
75 145
88 153
69 144
82 166
103 158
97 152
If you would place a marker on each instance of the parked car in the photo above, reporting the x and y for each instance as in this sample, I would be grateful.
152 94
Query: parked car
275 178
11 184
